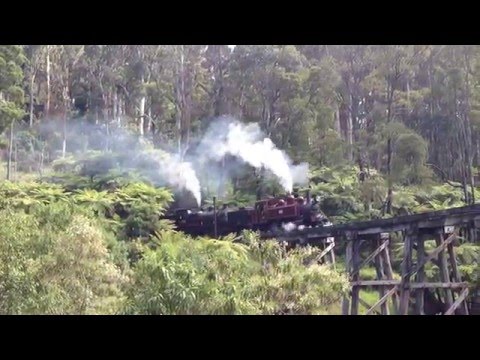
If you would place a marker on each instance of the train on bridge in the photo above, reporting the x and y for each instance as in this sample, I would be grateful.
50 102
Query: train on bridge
272 215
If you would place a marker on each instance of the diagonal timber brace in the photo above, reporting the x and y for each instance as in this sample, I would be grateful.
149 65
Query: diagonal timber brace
368 306
326 251
371 257
382 300
433 254
463 295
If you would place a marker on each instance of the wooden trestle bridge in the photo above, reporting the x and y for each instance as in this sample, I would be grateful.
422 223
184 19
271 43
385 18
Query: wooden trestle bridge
409 294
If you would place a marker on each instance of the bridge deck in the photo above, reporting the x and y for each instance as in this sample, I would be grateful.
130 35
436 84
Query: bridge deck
422 221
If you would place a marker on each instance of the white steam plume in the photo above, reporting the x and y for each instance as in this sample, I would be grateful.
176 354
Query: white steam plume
289 226
249 144
138 154
180 174
299 173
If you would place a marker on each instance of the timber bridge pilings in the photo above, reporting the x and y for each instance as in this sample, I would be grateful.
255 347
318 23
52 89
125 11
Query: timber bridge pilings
409 294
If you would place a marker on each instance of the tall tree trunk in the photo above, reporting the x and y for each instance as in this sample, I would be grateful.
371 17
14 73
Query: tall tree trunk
141 120
461 145
345 122
15 165
106 118
477 149
121 110
115 106
349 130
141 108
105 107
10 152
47 105
355 137
183 100
181 103
338 127
64 135
218 104
42 159
66 102
390 93
148 120
430 83
468 128
186 125
32 85
468 158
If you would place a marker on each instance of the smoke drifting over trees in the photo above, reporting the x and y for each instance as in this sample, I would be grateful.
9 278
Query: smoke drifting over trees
322 104
391 108
225 137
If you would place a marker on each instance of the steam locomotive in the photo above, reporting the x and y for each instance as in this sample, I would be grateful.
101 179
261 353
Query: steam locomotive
270 216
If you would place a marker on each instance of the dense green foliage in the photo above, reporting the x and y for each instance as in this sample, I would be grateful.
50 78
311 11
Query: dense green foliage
61 254
11 77
208 276
55 260
345 197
